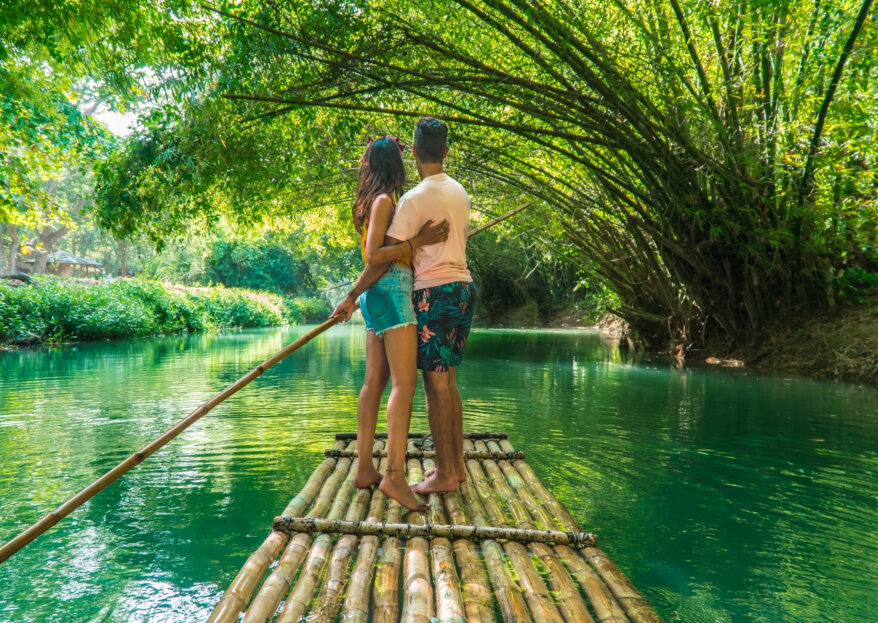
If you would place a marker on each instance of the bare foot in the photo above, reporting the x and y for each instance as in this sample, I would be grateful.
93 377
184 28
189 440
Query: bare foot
367 477
394 486
461 474
434 485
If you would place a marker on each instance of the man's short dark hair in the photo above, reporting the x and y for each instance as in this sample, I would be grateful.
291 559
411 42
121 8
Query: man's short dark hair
431 139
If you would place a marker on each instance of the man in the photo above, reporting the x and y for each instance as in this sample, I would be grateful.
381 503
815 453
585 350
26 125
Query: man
443 296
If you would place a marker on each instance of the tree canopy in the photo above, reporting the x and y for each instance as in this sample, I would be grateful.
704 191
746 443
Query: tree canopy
714 164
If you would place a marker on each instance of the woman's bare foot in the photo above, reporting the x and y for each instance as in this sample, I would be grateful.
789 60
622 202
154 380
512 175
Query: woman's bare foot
394 486
367 477
461 474
432 484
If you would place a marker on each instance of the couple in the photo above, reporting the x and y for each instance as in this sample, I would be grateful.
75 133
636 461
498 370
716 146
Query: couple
416 296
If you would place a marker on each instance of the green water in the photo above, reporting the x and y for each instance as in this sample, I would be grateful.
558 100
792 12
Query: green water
725 496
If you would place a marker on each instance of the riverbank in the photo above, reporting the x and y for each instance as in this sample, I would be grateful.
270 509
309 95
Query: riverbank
842 346
70 310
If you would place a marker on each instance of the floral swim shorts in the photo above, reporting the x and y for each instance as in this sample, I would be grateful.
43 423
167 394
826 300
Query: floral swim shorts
445 315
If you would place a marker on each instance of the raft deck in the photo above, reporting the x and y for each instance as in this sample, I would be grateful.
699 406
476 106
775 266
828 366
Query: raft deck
502 548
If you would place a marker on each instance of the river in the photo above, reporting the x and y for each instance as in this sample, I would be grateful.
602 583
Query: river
725 495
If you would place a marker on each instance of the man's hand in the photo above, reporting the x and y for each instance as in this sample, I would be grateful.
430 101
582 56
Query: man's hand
347 307
431 233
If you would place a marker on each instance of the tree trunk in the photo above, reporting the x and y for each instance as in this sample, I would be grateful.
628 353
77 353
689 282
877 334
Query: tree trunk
122 251
48 237
12 259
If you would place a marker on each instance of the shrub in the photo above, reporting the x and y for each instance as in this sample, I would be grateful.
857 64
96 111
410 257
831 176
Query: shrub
67 309
302 309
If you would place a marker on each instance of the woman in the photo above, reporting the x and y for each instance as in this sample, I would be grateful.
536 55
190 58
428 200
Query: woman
391 325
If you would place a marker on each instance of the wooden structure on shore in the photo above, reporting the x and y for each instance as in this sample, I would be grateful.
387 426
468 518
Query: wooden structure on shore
502 548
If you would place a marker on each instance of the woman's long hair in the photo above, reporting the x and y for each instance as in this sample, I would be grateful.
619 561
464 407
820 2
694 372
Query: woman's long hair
381 171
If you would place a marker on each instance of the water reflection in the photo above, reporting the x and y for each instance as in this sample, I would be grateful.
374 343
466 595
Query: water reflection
727 496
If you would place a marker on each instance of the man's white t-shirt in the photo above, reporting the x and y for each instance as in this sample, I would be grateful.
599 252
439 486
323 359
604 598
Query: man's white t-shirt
438 197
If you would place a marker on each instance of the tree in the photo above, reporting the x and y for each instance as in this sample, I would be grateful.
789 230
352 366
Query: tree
713 162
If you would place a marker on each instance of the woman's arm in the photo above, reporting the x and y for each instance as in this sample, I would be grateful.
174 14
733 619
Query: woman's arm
378 253
381 250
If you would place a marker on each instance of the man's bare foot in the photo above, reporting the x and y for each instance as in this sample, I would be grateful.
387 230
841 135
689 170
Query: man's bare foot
394 486
432 484
367 477
461 474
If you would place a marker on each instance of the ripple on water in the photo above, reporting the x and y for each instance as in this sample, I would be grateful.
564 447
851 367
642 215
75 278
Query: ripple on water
725 496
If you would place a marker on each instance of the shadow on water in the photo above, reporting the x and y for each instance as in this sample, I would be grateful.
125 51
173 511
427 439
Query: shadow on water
726 496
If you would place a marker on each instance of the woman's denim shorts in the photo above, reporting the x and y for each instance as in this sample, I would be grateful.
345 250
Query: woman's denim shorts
388 304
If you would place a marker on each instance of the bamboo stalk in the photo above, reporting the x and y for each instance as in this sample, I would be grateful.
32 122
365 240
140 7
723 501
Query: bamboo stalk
417 604
431 531
605 606
449 602
555 508
532 584
636 607
496 220
477 599
356 604
513 607
271 593
241 589
329 599
474 436
431 454
564 589
386 588
52 518
296 604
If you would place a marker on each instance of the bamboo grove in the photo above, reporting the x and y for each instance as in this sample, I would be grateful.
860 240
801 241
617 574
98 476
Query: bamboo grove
713 162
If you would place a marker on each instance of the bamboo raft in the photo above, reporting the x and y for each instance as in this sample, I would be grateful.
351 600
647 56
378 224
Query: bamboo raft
501 548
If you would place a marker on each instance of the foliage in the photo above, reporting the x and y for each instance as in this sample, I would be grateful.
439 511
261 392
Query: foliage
512 269
306 310
68 310
713 162
264 266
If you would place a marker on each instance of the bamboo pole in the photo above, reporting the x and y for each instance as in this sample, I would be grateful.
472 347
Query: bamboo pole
473 436
431 530
636 607
329 598
606 608
356 604
296 604
431 454
449 601
494 221
53 517
268 598
385 591
417 602
241 589
474 582
555 508
138 457
564 589
542 609
513 607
